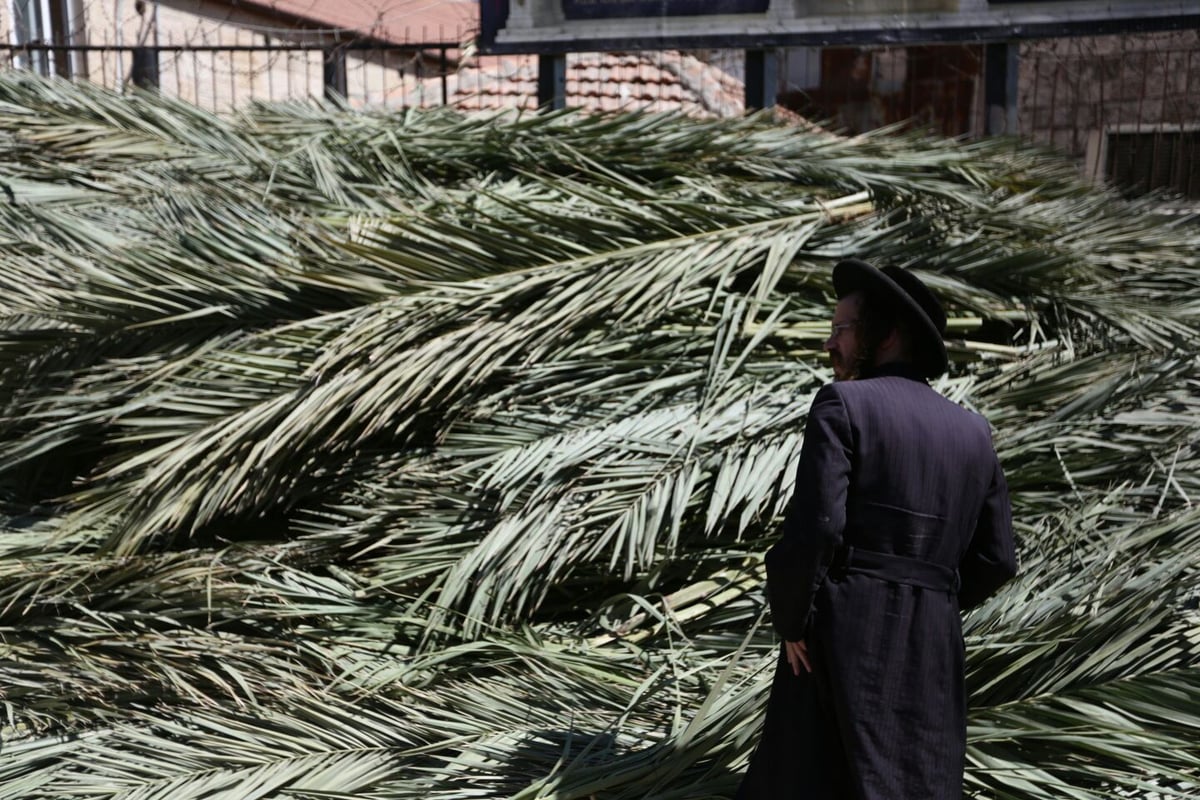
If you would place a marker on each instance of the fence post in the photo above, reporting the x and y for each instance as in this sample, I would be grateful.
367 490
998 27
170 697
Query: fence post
1000 88
762 78
552 81
335 73
445 69
145 68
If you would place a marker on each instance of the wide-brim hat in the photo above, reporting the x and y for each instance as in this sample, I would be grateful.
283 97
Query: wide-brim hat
910 298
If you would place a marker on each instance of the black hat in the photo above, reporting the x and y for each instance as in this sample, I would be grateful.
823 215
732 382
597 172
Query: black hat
910 298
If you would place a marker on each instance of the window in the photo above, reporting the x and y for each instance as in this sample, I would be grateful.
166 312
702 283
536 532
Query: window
44 23
1165 159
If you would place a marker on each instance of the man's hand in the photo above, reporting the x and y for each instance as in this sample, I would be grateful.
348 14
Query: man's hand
797 656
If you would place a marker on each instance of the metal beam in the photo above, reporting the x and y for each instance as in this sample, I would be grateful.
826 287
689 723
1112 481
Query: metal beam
760 34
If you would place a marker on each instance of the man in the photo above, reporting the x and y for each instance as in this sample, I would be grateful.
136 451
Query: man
899 520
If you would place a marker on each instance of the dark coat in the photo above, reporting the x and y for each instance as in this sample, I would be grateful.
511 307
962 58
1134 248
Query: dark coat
889 467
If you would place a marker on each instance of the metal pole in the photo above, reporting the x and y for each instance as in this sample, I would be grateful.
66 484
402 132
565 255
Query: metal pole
335 73
445 69
552 81
762 76
1000 66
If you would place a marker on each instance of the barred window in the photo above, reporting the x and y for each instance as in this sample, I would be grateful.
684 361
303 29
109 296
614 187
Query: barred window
41 25
1154 161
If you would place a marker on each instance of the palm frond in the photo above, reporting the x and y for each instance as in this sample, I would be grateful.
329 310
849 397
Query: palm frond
388 455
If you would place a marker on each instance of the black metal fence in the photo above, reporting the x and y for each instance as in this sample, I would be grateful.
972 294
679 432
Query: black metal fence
222 77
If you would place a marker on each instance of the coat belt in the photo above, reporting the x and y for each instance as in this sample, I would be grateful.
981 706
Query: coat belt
895 569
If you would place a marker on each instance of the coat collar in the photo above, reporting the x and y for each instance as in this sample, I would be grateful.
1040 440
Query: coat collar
901 369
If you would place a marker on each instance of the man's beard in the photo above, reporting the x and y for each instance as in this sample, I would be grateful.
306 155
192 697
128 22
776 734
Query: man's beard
853 370
842 371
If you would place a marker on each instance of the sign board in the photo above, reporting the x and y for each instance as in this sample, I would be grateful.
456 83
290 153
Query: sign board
610 9
561 26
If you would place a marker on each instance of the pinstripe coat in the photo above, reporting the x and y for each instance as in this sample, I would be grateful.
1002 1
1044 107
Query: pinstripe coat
899 520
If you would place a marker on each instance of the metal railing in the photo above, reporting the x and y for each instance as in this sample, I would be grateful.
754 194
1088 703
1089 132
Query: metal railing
222 77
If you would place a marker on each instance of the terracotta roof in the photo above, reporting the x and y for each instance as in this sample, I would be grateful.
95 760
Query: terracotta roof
650 81
390 21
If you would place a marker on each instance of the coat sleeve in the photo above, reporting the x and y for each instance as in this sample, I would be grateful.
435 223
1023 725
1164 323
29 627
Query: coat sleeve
812 529
990 558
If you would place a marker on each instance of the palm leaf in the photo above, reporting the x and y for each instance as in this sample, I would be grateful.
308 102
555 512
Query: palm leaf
386 455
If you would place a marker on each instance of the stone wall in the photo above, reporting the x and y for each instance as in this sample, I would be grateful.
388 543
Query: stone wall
1073 90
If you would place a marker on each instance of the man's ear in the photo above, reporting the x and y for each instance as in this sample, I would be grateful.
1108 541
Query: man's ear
893 341
894 345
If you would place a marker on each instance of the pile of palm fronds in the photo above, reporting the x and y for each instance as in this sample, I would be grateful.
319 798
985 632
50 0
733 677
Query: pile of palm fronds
427 456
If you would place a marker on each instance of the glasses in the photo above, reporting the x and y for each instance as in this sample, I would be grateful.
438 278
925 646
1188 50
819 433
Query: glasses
837 328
